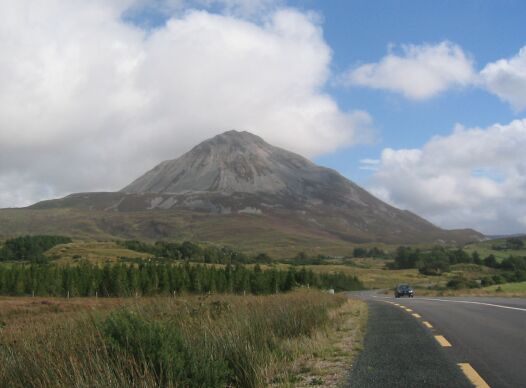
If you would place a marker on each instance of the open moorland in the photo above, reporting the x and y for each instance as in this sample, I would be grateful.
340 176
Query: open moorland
138 313
302 338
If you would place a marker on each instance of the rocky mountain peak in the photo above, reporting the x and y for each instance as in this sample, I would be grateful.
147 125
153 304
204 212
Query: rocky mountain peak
229 162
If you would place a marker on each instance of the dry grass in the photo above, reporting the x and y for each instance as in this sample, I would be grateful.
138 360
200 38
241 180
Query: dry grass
325 359
59 342
22 317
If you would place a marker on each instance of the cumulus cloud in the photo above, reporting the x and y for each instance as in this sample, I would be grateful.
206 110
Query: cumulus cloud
473 177
507 79
418 72
89 100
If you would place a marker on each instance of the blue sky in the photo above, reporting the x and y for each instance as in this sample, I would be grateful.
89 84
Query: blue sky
360 31
421 102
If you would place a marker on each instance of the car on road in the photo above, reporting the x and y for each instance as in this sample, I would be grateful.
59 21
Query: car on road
404 290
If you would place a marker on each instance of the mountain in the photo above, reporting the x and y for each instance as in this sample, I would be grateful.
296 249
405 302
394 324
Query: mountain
236 178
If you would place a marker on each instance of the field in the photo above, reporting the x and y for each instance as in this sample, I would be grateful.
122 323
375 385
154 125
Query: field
94 252
375 274
302 338
485 248
251 234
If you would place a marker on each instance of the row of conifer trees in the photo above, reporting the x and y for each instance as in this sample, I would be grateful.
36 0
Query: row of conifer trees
119 280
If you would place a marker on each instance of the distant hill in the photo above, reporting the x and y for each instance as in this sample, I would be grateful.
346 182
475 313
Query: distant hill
235 187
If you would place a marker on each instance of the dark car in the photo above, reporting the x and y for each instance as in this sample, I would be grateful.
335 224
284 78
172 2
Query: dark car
404 290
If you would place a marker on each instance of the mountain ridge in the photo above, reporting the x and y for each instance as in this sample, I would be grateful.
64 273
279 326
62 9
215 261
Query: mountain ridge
238 173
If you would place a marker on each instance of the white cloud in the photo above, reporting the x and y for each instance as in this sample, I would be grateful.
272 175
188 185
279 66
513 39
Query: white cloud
507 79
418 72
245 7
369 164
473 177
89 101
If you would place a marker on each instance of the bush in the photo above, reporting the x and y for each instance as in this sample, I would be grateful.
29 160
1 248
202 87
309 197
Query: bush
459 283
456 283
161 346
498 279
491 261
487 281
434 267
30 247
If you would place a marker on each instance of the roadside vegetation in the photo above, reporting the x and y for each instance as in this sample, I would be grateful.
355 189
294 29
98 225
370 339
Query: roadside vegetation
170 314
194 341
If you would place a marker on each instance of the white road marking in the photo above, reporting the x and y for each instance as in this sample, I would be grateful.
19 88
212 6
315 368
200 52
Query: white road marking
471 302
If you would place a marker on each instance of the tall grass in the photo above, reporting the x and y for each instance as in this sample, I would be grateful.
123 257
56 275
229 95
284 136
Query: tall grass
214 341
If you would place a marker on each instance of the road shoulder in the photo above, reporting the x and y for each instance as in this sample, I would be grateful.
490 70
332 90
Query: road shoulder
400 352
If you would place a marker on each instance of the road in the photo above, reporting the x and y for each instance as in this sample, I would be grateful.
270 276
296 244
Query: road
487 333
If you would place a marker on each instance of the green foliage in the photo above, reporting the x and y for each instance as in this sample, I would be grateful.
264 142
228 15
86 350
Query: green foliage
513 264
491 261
512 243
372 252
434 261
188 250
160 279
406 257
460 282
30 247
162 347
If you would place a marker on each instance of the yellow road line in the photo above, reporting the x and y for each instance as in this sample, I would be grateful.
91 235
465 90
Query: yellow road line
409 310
473 376
402 307
427 324
396 304
442 341
417 315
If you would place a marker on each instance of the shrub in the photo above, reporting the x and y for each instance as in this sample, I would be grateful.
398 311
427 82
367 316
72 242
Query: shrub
498 279
487 281
161 346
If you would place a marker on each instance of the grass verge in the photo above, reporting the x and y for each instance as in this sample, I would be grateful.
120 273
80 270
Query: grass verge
326 358
501 290
212 341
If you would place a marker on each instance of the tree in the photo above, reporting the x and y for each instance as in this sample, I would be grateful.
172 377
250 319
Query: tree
491 261
359 252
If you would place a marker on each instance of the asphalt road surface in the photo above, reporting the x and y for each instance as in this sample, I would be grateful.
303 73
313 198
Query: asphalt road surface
487 333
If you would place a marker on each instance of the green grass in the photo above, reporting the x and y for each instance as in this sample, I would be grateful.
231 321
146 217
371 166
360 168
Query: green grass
484 249
94 252
508 287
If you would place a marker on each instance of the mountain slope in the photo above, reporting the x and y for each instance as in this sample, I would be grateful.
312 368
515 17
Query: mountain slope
238 173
